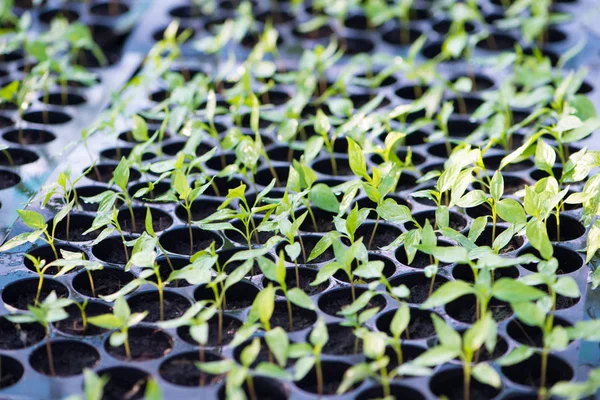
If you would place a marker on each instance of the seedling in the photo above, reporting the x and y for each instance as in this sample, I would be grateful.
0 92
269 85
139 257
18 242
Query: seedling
244 373
197 319
52 309
245 213
36 221
276 272
276 338
93 386
309 354
466 348
108 219
121 319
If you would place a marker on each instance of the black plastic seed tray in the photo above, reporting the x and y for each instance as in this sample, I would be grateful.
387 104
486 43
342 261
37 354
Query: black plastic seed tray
50 131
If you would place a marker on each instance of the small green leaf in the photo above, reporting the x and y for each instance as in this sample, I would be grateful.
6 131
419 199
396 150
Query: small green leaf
487 375
301 299
448 292
357 161
510 290
32 219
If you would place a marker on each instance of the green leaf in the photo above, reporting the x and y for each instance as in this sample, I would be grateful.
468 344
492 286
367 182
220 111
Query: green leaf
477 227
447 336
400 320
476 335
487 375
121 309
319 336
32 219
278 342
567 286
448 292
558 340
448 255
264 304
106 321
323 244
519 354
355 374
374 345
301 299
326 272
323 197
437 356
455 43
181 185
586 330
511 211
583 131
393 212
510 290
472 199
153 390
497 186
545 157
121 174
250 352
303 367
529 313
357 161
140 128
117 338
538 237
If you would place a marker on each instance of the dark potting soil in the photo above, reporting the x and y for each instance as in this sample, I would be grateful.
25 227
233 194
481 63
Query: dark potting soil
237 304
383 236
75 233
458 223
329 387
183 246
235 236
477 392
421 260
301 318
467 312
174 305
230 327
342 342
305 280
182 370
114 253
232 266
145 344
484 355
325 256
419 293
160 222
8 179
18 336
70 358
26 297
264 355
334 305
106 281
420 326
563 302
486 240
124 383
73 325
9 378
323 224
